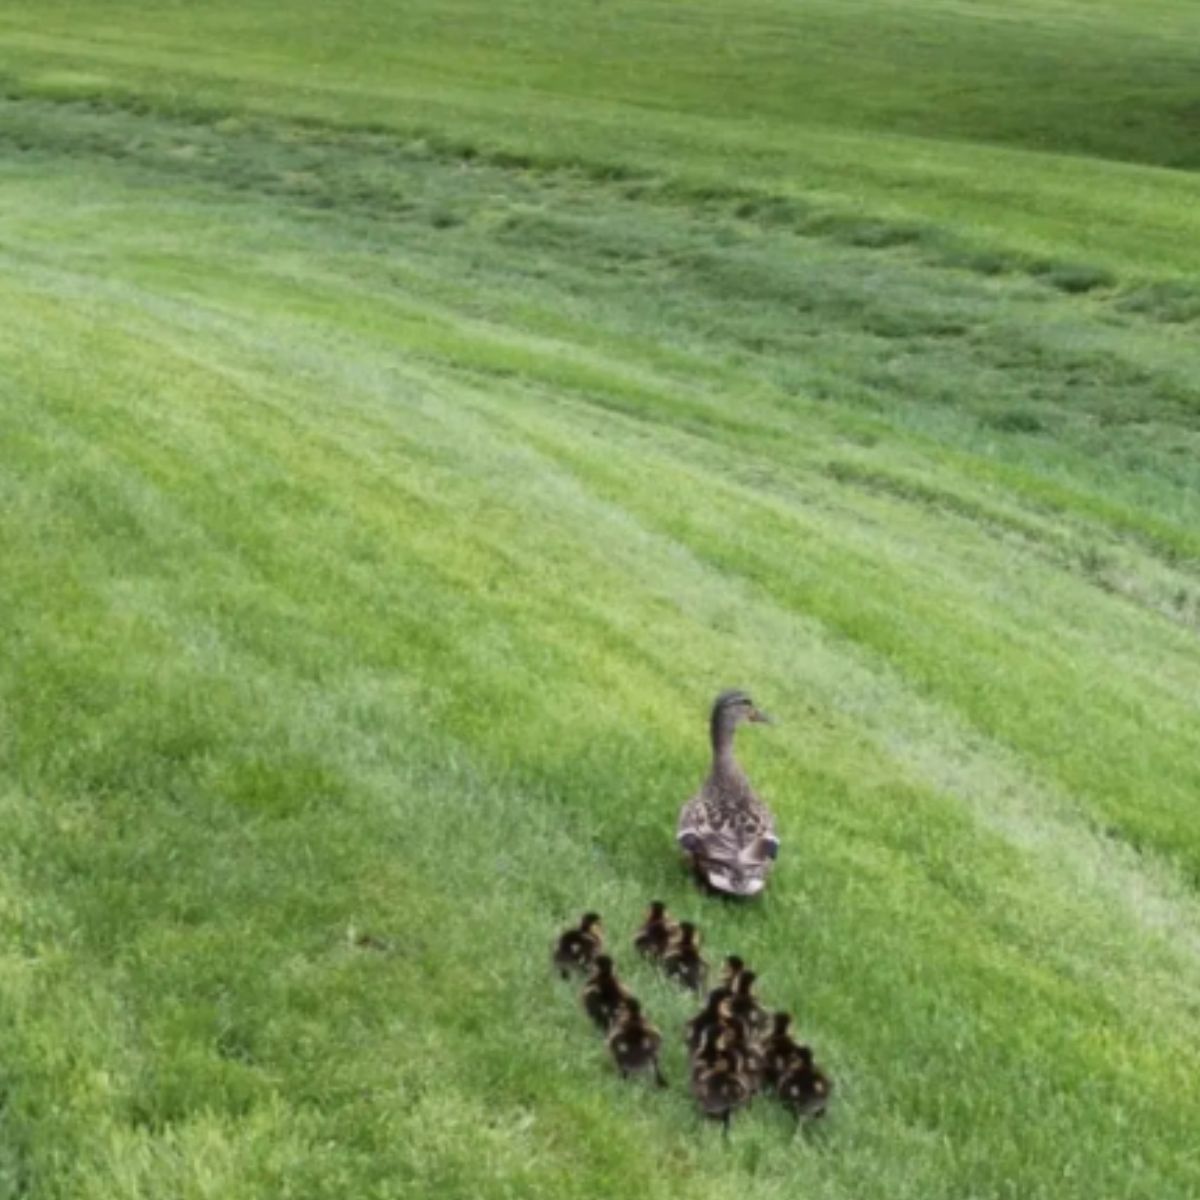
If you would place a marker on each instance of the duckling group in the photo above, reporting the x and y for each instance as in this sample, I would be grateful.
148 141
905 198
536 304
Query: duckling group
737 1049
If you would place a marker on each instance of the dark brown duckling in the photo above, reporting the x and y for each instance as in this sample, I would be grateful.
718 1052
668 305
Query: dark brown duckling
744 1004
804 1089
711 1049
709 1017
683 962
731 969
576 948
718 1084
739 1042
603 994
634 1043
780 1050
657 932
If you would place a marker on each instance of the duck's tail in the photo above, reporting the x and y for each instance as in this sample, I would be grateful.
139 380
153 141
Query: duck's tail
729 879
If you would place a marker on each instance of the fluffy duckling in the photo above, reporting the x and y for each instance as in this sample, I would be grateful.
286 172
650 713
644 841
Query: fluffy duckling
731 969
740 1044
729 1043
657 932
576 948
804 1089
683 962
718 1084
711 1049
709 1017
603 994
744 1004
780 1050
634 1043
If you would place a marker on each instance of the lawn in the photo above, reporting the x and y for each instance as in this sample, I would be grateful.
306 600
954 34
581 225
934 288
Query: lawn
412 415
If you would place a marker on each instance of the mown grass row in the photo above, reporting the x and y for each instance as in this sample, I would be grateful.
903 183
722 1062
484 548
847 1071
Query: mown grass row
1042 137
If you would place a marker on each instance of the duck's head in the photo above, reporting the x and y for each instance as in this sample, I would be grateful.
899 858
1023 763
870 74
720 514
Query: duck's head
745 982
633 1009
658 910
782 1022
590 921
604 964
731 708
688 933
734 965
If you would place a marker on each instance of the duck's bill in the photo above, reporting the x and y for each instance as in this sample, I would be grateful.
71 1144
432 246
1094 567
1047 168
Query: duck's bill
761 717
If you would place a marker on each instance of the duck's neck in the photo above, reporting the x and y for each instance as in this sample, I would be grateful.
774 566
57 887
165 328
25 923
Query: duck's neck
724 765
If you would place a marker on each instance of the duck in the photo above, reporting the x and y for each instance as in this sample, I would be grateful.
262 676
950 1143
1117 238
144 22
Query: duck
634 1043
739 1042
709 1017
732 967
710 1047
577 947
683 961
804 1089
603 994
780 1050
725 831
656 933
718 1083
743 1004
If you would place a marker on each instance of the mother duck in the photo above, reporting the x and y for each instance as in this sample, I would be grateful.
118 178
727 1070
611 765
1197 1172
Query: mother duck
726 831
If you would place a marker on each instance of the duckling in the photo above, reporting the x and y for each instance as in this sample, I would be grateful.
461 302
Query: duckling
708 1050
656 933
604 993
576 948
683 962
634 1043
740 1044
780 1051
728 1042
709 1017
725 830
744 1003
731 969
805 1089
718 1084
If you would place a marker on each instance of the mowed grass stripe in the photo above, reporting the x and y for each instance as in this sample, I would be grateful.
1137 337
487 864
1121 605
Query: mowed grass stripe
858 324
439 336
974 201
940 621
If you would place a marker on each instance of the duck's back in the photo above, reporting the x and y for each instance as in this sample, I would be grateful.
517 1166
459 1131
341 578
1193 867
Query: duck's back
730 835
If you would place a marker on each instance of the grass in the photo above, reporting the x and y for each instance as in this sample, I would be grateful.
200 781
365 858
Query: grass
406 430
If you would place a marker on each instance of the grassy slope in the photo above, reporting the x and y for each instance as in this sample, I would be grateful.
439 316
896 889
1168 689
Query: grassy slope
377 520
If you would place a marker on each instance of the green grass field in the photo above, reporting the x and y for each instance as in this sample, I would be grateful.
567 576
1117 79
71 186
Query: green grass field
412 414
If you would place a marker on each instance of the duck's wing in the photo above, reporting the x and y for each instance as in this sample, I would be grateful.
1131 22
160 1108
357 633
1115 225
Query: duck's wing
696 825
760 828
